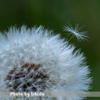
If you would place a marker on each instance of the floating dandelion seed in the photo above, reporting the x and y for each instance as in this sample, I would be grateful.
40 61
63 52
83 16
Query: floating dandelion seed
75 31
33 60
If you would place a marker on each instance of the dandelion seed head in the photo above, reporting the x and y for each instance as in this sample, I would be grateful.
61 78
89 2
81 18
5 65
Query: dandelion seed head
33 60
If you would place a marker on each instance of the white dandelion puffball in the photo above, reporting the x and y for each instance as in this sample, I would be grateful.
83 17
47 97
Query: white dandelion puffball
35 60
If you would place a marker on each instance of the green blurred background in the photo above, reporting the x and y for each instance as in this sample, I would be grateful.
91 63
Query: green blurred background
53 14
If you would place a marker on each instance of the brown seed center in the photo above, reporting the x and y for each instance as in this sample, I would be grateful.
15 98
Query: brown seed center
27 78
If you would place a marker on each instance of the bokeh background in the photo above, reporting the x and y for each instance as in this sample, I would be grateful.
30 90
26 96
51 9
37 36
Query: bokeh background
53 14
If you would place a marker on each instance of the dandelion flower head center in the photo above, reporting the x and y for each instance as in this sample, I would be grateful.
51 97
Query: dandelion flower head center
26 78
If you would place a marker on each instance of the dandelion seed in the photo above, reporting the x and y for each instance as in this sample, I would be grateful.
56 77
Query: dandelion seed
39 62
75 31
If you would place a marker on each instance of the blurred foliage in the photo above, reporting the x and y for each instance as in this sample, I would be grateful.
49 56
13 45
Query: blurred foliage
53 14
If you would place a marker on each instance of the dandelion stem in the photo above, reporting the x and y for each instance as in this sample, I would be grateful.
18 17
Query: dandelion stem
71 37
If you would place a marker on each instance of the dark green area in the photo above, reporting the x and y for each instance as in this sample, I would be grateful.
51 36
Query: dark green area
53 14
